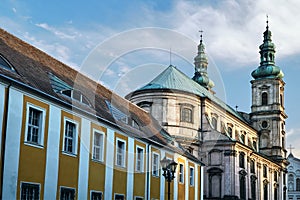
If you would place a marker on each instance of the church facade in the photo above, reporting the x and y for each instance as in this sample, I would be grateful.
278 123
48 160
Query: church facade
293 177
244 153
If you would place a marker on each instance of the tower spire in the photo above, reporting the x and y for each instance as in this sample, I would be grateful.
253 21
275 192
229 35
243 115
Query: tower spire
201 63
267 68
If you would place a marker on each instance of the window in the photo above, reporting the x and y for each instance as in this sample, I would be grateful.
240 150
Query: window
98 146
186 115
243 138
77 95
181 173
30 191
67 193
265 191
120 153
264 99
192 176
119 197
298 184
253 187
229 131
242 187
96 195
139 159
252 166
275 175
265 171
155 164
34 125
242 160
4 64
70 137
214 123
281 100
254 145
138 198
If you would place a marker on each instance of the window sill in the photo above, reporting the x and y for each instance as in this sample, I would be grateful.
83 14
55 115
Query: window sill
121 167
34 145
155 176
69 154
97 161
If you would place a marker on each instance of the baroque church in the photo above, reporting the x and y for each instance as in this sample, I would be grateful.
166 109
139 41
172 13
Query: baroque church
244 153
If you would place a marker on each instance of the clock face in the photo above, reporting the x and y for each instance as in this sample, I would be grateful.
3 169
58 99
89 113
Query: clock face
264 124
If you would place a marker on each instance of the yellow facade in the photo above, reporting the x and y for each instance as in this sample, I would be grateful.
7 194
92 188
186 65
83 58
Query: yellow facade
154 180
68 164
96 183
120 173
139 177
32 159
181 186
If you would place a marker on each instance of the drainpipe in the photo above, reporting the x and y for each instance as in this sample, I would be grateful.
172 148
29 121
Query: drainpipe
4 127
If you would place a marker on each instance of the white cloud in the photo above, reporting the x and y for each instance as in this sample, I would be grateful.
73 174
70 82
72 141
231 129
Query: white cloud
14 10
56 32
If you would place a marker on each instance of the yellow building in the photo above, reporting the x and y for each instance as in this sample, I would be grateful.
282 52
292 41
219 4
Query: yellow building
64 136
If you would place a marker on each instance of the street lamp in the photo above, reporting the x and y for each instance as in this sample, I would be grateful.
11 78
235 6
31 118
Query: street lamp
169 168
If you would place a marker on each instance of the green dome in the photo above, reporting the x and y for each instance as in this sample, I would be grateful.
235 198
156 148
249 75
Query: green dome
269 71
203 80
267 68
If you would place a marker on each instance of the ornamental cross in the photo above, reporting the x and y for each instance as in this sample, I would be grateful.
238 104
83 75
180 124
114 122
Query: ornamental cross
291 148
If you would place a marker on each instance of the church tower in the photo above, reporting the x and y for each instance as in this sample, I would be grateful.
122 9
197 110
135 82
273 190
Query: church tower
267 110
201 63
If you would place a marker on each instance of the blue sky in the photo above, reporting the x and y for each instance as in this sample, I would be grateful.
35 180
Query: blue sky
135 38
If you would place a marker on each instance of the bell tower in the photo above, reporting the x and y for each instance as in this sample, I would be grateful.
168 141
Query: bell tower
267 110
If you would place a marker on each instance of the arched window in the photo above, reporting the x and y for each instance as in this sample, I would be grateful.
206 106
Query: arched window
242 160
264 99
291 182
214 123
275 176
298 184
265 171
5 64
265 191
253 187
242 187
252 166
230 131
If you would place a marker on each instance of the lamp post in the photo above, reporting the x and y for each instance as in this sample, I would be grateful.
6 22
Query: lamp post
169 168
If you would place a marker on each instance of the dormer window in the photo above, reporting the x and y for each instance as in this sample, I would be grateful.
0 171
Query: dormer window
116 113
5 64
59 86
77 95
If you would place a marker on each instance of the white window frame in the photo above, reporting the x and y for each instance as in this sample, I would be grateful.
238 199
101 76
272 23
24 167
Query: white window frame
100 192
41 128
138 197
123 164
31 183
69 188
157 165
101 147
192 176
181 174
119 194
74 139
142 159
